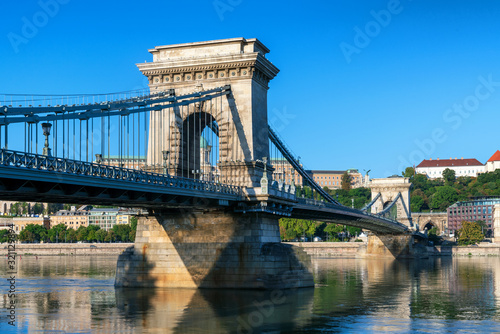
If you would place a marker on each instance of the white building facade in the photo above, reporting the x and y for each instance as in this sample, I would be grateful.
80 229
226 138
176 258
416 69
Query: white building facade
494 162
462 167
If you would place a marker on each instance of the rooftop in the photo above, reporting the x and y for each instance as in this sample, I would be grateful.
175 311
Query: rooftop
495 157
449 163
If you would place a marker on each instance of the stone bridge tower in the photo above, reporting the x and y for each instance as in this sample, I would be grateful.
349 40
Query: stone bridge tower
389 188
241 117
217 246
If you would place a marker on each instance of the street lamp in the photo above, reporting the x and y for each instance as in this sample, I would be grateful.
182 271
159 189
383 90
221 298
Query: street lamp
195 172
46 132
98 158
165 157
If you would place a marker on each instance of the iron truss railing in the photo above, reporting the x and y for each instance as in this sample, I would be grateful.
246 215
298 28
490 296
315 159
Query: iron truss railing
10 115
60 165
369 205
322 204
295 164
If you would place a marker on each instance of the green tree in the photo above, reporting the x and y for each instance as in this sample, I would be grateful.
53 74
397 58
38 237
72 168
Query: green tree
291 228
122 231
33 233
70 235
101 235
449 176
26 236
42 234
353 230
24 208
110 236
133 223
308 192
409 172
91 237
133 226
4 236
38 208
470 233
15 209
346 181
417 202
333 231
444 197
287 232
92 230
57 233
432 234
81 233
361 196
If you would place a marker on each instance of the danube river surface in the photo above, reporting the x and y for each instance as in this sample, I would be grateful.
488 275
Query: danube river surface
70 294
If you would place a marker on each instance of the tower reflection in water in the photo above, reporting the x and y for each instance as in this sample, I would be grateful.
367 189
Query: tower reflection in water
215 311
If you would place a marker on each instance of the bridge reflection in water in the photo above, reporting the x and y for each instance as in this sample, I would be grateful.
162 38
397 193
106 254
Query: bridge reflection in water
215 310
351 295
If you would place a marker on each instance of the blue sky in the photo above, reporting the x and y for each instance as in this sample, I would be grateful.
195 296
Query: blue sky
373 85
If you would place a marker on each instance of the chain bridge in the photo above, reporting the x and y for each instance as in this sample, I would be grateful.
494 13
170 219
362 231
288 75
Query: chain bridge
196 150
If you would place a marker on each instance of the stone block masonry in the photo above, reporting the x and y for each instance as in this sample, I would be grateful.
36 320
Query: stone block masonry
212 249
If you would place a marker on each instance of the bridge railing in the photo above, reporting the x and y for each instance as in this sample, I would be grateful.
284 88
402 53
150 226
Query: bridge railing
61 165
322 204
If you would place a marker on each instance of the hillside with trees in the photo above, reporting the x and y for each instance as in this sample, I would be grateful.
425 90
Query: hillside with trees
439 194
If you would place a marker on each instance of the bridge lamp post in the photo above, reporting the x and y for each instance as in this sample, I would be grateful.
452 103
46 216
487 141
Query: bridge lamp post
46 132
196 172
165 158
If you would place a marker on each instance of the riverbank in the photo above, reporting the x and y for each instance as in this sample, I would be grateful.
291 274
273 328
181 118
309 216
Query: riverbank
316 249
60 249
358 249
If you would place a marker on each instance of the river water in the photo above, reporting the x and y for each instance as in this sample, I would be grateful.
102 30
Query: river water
76 295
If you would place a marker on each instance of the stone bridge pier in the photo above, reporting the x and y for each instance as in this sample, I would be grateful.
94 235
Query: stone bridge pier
394 245
212 249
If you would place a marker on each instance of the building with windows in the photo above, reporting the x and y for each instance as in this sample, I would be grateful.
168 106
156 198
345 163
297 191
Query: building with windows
476 209
106 218
71 218
285 172
462 167
5 223
21 222
333 178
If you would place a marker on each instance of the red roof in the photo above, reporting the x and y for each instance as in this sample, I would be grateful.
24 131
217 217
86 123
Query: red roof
450 163
495 157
